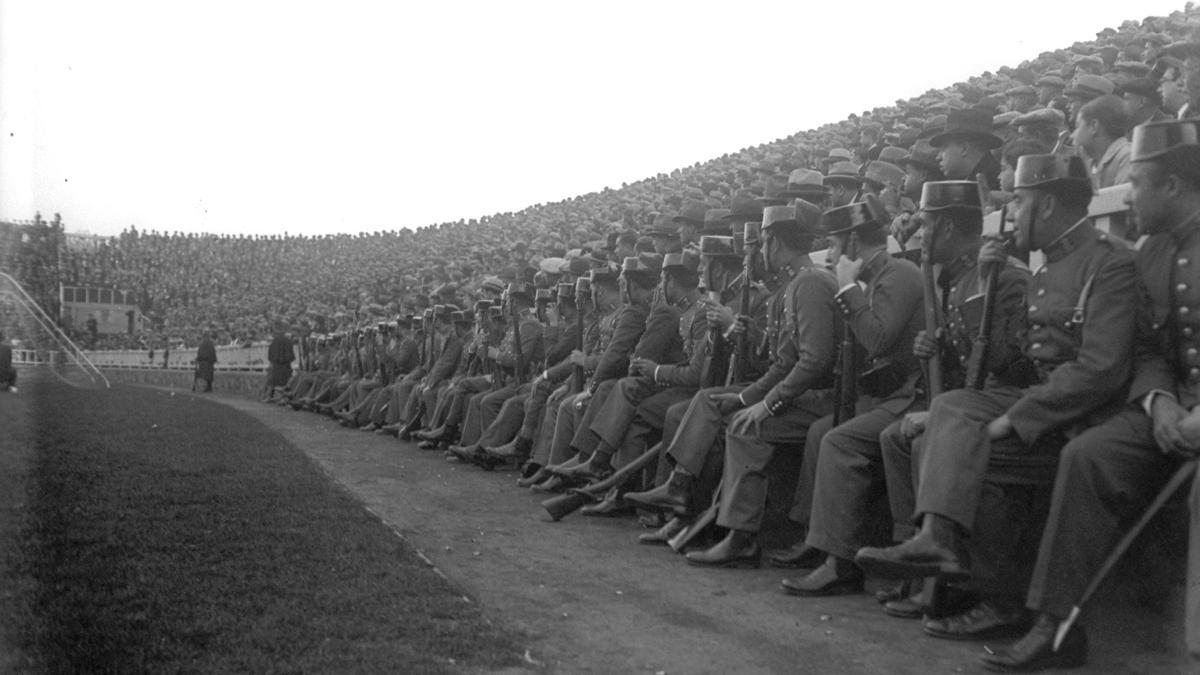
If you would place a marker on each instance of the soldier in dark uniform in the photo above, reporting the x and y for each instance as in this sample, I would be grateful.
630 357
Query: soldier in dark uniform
206 359
483 407
692 429
793 393
280 355
1109 473
503 439
1083 313
842 468
653 329
666 383
951 220
608 307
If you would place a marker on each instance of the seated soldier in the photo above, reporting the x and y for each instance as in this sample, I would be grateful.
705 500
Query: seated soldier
1083 311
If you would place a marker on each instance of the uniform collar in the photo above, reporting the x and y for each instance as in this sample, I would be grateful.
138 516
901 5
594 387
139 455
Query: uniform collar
955 268
1074 237
1184 230
873 265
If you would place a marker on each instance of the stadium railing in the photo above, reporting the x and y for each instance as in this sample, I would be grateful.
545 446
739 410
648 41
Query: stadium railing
229 358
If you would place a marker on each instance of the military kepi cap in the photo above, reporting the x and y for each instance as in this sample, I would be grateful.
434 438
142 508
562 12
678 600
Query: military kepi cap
688 261
855 216
1155 140
1043 171
946 194
713 246
649 264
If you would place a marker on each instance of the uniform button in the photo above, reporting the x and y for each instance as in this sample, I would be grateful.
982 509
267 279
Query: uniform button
1183 311
1194 374
1032 309
1192 352
1036 326
1182 262
954 289
1181 288
1187 331
1036 345
1041 292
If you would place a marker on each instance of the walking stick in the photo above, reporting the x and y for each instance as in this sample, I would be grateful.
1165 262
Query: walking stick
1187 470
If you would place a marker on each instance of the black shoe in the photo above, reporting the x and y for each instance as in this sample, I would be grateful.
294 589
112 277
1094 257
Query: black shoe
1035 651
987 620
737 549
918 558
663 534
833 577
673 496
609 507
799 557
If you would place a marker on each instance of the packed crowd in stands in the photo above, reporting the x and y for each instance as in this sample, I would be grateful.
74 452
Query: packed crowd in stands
240 286
647 351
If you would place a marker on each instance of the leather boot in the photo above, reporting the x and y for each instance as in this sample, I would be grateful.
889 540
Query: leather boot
834 577
574 461
595 468
799 557
443 432
540 474
406 432
935 551
517 447
674 496
738 549
1035 651
663 534
611 506
553 483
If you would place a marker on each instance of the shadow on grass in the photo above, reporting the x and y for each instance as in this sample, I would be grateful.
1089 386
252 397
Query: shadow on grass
173 534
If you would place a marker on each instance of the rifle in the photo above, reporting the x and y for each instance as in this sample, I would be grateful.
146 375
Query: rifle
933 318
565 504
518 356
845 370
583 289
977 370
740 359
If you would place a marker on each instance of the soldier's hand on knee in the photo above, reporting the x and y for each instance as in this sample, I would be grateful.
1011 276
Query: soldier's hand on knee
1168 417
726 403
749 419
913 424
1185 439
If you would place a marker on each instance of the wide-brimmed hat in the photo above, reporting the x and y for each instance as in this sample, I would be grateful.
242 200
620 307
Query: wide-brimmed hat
1051 81
802 217
716 221
1042 117
891 154
1155 140
971 124
806 184
1088 87
692 213
664 226
884 173
843 172
1144 87
774 190
744 206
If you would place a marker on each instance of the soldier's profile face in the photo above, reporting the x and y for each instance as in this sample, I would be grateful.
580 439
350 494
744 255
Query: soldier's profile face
1020 217
1146 198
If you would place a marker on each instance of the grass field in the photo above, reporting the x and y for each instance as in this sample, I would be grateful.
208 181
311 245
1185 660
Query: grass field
161 533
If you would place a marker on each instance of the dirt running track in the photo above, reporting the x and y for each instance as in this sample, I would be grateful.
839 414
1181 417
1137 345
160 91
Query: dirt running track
595 601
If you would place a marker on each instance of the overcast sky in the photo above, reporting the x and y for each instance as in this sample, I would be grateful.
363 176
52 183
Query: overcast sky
240 117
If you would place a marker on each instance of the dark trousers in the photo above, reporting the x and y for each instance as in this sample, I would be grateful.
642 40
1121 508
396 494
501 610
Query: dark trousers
849 484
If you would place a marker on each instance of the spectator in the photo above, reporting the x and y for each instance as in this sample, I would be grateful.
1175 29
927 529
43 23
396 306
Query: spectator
1099 137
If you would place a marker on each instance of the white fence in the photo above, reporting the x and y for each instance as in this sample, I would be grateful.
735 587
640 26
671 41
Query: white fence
253 358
